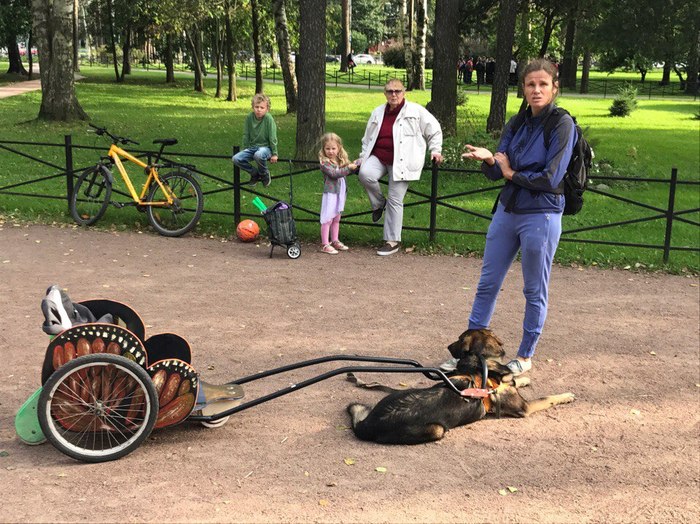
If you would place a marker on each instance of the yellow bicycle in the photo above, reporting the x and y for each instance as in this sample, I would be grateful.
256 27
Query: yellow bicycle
172 201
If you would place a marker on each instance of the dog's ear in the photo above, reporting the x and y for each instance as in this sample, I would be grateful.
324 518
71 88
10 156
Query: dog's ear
461 346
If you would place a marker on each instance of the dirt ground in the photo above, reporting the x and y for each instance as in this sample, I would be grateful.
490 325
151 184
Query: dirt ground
626 344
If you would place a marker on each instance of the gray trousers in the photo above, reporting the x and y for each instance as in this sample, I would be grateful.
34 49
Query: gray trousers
371 170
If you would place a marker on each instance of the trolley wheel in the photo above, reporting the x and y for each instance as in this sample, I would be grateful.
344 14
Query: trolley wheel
294 251
91 195
98 407
177 219
215 423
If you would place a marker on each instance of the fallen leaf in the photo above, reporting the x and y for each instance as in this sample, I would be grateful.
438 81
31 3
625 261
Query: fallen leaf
652 352
4 453
511 489
62 475
380 469
323 502
349 461
331 484
635 412
502 492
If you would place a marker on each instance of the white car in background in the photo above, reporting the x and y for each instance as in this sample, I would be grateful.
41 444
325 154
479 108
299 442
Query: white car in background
364 59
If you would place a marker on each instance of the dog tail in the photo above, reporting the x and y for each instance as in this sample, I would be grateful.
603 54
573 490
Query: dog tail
358 412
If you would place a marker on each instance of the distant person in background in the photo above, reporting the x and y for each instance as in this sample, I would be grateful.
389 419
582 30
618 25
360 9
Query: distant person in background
513 78
351 61
490 70
480 69
469 71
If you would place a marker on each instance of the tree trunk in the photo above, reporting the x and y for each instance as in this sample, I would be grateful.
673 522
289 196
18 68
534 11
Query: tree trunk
126 51
168 60
311 69
444 90
691 86
30 56
285 49
666 77
548 28
407 25
230 60
52 30
504 52
16 66
586 71
257 54
110 17
76 36
419 49
346 23
567 77
195 40
88 36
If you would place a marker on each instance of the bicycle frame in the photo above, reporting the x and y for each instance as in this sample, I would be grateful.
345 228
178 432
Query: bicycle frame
115 153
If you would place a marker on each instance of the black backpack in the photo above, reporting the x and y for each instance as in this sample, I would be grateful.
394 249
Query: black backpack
576 176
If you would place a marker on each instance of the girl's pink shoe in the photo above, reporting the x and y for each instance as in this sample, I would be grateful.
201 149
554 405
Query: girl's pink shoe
329 250
339 246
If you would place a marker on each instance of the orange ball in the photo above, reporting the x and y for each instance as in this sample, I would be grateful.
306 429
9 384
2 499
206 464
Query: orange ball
247 231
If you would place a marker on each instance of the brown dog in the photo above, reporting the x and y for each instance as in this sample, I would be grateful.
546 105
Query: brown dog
415 416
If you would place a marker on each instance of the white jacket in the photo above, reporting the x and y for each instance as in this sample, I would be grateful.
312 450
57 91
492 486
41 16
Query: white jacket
413 127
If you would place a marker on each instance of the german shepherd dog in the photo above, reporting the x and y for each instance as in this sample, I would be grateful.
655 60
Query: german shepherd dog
415 416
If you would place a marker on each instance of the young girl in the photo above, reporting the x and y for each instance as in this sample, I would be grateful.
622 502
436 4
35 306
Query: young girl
335 166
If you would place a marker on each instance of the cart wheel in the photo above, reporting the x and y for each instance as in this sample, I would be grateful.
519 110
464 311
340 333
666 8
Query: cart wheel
98 407
215 423
294 251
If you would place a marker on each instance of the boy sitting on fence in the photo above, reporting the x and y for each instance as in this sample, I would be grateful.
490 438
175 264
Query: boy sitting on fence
259 142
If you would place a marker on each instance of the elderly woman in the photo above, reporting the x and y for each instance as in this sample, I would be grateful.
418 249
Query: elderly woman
530 206
394 145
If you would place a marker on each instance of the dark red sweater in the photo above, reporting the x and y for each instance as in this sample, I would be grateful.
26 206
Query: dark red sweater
384 146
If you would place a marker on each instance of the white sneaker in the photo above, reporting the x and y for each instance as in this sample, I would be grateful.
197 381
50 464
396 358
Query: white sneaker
449 365
518 367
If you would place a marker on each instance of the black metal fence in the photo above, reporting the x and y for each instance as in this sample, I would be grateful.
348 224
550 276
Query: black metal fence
67 170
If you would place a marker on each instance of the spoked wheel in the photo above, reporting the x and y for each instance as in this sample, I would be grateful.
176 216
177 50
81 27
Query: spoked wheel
98 407
294 251
176 219
90 196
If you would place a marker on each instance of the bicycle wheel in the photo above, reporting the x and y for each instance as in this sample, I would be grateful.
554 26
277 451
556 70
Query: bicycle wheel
180 217
98 407
90 196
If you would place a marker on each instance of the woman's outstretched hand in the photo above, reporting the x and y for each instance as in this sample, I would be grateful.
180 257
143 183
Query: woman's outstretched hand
478 153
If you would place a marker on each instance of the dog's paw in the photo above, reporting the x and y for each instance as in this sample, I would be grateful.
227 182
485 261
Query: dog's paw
568 397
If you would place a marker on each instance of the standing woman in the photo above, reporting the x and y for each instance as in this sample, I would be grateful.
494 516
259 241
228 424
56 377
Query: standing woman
529 209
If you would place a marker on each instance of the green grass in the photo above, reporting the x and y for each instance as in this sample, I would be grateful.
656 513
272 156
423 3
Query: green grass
661 134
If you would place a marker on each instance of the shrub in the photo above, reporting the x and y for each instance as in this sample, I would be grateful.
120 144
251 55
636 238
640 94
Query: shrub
394 57
625 102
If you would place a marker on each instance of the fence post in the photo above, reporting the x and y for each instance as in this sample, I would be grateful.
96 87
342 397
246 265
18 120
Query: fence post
433 199
68 141
236 190
669 213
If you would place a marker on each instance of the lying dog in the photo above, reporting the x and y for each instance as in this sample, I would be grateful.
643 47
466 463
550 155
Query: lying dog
415 416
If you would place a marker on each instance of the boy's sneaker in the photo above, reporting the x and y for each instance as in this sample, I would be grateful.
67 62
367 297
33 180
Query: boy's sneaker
266 178
328 249
254 179
388 249
339 246
449 365
518 367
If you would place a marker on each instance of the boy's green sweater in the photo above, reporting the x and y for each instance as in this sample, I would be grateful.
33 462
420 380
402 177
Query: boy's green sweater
260 133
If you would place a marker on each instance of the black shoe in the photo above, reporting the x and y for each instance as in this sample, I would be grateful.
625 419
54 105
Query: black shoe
377 213
265 178
254 179
388 249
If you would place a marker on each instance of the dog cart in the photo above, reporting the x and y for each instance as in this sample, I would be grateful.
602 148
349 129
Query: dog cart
105 386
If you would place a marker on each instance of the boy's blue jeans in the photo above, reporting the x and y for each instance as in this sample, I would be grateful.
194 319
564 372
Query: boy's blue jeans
260 154
536 235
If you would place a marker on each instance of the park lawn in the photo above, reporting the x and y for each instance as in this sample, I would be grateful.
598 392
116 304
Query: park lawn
660 135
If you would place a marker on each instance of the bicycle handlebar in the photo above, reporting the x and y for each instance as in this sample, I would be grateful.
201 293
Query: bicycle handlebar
115 138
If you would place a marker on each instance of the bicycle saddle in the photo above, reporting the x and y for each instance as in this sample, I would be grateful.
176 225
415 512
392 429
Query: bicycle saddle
166 141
